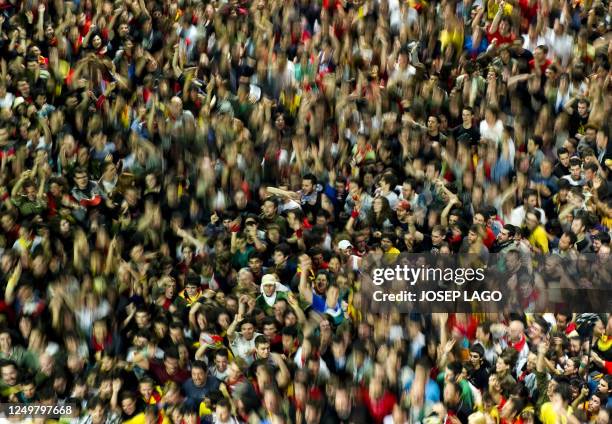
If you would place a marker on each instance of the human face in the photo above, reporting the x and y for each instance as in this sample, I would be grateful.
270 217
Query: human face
436 238
9 375
198 375
171 365
475 359
575 171
81 179
221 363
564 159
269 331
268 209
146 390
466 117
564 242
503 236
263 350
532 221
269 289
432 124
582 108
128 405
307 186
247 330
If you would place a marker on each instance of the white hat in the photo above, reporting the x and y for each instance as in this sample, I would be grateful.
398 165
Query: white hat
344 244
269 279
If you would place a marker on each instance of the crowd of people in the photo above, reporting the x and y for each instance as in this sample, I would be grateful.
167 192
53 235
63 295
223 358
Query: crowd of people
189 190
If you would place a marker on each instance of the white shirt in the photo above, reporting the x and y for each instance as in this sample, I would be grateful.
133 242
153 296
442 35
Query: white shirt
517 216
492 133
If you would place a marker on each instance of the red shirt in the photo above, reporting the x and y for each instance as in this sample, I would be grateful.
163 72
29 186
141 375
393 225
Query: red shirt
501 39
378 408
543 67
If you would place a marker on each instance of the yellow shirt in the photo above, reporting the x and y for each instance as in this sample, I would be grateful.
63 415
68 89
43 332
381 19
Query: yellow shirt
549 416
539 239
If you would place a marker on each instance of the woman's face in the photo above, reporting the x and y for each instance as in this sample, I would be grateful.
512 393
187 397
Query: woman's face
96 42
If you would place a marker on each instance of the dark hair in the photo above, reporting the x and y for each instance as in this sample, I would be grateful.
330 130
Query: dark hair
199 364
311 178
259 340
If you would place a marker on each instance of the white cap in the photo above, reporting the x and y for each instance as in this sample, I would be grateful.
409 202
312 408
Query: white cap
268 279
344 244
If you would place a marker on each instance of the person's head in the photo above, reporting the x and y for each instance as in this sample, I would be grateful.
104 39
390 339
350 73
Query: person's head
171 360
309 181
562 393
534 144
605 384
221 360
575 168
223 410
566 241
129 403
532 219
476 356
262 347
433 124
563 156
270 328
146 388
540 53
9 373
269 207
579 225
247 329
198 373
281 254
81 177
451 394
506 234
512 408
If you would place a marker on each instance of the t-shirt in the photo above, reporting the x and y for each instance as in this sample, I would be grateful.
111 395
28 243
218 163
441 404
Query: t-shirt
198 393
549 416
158 370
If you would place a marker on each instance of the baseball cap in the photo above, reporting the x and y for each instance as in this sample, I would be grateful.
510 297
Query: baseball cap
344 244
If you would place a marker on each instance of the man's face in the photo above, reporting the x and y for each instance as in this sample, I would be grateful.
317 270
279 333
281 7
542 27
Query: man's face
590 134
198 375
564 159
171 365
247 330
576 170
307 186
503 236
577 226
268 209
9 375
146 390
269 331
263 350
81 179
436 238
221 363
479 219
564 242
582 108
433 124
531 221
255 265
